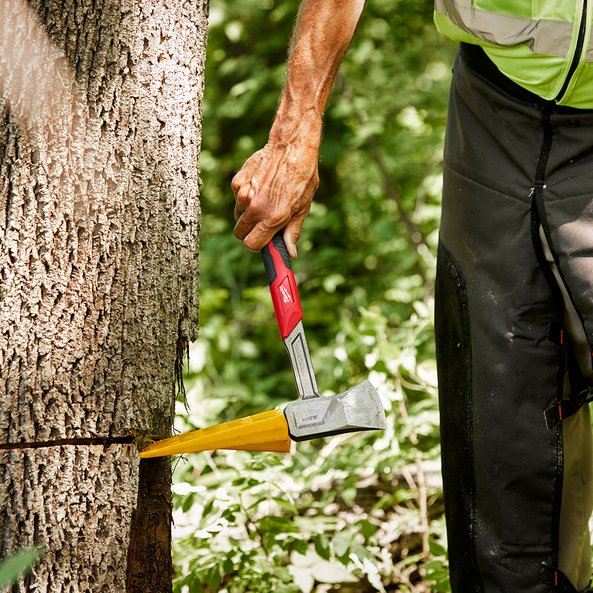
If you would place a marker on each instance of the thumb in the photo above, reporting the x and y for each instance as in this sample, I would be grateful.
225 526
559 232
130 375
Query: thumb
292 232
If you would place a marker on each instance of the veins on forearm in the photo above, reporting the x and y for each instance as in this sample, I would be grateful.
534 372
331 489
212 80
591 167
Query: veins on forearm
322 35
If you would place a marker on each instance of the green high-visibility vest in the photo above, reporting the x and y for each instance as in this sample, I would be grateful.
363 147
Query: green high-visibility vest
544 46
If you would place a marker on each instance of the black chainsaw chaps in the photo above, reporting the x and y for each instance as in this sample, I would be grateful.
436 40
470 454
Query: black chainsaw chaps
502 465
498 368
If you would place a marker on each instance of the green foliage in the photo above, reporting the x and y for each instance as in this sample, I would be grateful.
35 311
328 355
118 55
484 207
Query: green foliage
437 569
18 565
354 508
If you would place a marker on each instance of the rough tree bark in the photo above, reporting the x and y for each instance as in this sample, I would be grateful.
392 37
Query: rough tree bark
100 110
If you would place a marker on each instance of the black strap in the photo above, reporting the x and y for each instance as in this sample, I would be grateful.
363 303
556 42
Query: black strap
566 408
580 392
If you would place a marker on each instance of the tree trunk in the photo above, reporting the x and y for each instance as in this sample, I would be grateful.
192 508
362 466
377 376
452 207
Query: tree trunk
100 111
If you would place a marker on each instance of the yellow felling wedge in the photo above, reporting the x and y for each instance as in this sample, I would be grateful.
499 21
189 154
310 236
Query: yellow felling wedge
267 431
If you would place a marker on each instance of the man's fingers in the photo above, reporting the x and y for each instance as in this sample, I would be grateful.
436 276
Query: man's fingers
271 194
258 238
237 183
290 246
245 224
243 196
261 234
249 213
257 222
250 166
250 228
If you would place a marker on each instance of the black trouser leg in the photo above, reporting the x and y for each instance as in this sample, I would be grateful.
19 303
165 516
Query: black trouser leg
507 169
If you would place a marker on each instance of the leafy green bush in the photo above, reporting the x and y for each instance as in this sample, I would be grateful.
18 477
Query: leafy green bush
363 510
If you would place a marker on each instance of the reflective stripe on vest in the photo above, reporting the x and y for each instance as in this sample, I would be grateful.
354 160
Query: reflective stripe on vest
542 36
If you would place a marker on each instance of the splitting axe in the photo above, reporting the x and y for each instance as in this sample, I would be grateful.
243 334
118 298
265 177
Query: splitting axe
312 415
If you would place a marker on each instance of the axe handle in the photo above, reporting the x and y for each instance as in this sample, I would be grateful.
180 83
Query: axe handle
283 288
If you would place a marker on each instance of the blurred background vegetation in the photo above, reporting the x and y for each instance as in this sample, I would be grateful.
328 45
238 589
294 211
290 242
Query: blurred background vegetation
357 512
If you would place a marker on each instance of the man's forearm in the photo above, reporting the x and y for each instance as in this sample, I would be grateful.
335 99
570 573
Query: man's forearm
322 35
275 186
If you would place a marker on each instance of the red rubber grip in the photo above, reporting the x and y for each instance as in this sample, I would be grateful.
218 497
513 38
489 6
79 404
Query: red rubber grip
285 296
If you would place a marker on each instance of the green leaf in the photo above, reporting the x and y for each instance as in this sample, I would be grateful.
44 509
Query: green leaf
300 545
193 582
412 559
438 576
196 584
349 495
286 588
432 565
246 558
361 551
286 505
332 572
257 502
373 575
441 587
281 573
188 502
228 565
213 578
317 523
368 529
229 515
322 546
276 525
341 546
435 548
20 563
208 508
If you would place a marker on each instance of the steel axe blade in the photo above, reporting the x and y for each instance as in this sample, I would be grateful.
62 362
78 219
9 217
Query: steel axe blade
357 409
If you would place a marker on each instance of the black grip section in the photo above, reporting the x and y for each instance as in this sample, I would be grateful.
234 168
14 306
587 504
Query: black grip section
278 242
280 245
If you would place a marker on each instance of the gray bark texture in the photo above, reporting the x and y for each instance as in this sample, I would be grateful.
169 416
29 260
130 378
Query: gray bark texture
100 130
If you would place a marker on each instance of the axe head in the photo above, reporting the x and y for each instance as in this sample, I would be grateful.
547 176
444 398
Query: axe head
357 409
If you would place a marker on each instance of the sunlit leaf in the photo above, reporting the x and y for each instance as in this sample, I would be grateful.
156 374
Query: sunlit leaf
341 546
435 548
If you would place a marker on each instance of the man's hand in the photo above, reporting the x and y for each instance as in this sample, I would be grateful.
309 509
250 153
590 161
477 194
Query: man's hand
275 187
274 190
